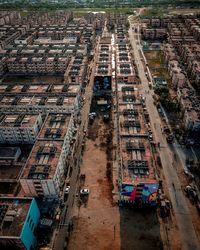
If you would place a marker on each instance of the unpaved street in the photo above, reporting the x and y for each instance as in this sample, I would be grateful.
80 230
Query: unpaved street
100 224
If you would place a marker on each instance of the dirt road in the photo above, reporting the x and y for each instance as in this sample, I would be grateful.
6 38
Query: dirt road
100 223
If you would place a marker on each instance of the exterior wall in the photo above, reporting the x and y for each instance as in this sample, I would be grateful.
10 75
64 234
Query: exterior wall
20 135
65 152
191 124
37 108
27 235
34 188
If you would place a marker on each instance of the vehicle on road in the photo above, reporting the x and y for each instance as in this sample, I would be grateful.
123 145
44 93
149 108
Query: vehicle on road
150 137
67 190
150 85
84 191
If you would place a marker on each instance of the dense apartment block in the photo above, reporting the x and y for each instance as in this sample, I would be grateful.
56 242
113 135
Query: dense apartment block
76 71
95 18
7 17
125 72
39 97
43 48
181 54
21 128
135 167
44 171
116 18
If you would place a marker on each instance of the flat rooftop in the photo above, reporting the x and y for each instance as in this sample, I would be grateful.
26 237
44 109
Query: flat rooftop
125 69
22 121
9 152
43 160
37 100
13 213
136 158
103 69
55 127
40 87
12 160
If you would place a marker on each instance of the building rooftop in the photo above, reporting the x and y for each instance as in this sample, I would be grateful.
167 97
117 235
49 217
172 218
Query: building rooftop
55 127
43 161
9 153
12 160
11 120
136 158
13 213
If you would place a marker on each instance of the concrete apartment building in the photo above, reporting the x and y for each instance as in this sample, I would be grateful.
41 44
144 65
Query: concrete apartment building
135 165
154 33
11 32
104 57
155 28
42 43
183 49
7 17
42 59
46 18
95 18
125 72
116 19
76 71
44 171
102 90
8 37
190 108
32 59
48 46
12 160
22 128
65 103
19 220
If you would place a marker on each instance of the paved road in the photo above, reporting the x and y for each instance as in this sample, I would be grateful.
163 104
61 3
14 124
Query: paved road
186 229
74 183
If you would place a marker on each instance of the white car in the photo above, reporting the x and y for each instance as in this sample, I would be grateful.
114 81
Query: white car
67 190
150 137
84 191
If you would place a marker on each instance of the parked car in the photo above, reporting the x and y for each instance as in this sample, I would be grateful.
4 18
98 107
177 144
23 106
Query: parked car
67 190
84 191
150 137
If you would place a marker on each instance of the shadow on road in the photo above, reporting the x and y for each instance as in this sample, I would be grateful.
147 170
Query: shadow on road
139 229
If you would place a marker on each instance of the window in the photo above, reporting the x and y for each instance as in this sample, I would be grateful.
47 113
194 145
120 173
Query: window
32 227
28 219
30 224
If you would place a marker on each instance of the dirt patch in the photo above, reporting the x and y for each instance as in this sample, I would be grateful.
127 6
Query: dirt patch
156 64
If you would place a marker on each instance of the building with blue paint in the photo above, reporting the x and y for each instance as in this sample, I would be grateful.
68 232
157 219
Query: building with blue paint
19 218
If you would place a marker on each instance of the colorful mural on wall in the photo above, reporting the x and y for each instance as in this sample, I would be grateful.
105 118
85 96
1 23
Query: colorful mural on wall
143 193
